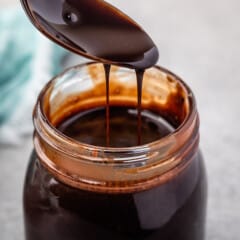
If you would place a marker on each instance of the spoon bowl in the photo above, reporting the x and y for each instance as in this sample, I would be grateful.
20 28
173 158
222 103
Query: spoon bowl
94 29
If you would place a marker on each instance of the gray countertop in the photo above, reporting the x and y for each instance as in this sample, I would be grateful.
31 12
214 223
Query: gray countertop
200 41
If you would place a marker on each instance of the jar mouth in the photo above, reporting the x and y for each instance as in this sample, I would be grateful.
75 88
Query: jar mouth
141 148
112 169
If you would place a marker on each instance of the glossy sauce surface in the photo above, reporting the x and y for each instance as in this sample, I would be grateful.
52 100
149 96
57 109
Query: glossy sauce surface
89 127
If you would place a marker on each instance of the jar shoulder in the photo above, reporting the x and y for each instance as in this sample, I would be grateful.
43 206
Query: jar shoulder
179 202
38 176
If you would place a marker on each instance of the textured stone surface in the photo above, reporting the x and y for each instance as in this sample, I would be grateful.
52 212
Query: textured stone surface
198 40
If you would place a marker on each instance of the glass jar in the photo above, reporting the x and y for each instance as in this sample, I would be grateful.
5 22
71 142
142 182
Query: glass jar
78 191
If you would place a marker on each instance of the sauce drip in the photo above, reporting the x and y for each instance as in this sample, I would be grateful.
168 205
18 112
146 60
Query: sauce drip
97 30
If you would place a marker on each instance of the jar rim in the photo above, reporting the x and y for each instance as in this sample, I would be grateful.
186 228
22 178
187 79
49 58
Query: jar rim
107 150
111 169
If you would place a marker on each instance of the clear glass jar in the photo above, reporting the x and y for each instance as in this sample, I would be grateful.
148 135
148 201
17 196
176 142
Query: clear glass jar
78 191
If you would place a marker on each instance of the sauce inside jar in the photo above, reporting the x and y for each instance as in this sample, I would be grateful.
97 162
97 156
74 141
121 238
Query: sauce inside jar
89 127
173 210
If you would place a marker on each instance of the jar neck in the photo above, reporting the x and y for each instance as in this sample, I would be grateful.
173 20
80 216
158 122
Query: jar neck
114 170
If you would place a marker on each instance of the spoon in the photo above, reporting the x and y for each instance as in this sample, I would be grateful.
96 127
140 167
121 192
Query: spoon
94 29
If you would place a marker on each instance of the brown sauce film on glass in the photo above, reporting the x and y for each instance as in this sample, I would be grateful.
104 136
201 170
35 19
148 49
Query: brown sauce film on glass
79 107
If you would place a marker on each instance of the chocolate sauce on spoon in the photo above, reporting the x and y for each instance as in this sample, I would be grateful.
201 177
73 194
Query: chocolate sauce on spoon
97 30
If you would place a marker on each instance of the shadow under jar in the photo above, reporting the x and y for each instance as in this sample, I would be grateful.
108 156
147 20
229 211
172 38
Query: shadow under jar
75 190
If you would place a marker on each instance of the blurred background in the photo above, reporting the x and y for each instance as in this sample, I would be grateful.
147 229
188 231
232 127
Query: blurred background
198 40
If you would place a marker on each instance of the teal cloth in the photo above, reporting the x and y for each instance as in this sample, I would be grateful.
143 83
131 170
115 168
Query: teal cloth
19 42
